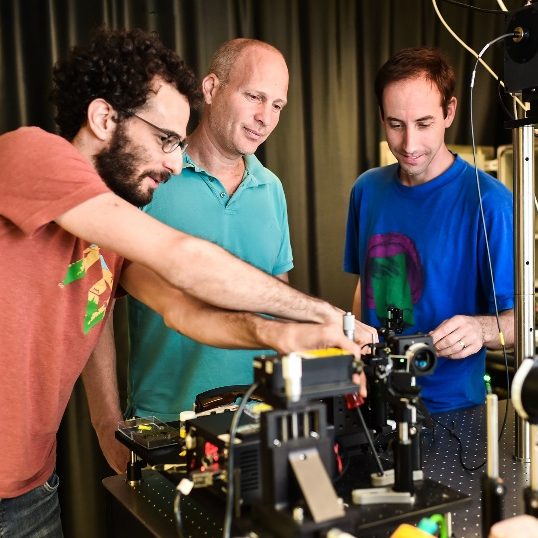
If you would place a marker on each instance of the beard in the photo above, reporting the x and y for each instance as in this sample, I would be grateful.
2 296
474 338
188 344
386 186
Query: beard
118 164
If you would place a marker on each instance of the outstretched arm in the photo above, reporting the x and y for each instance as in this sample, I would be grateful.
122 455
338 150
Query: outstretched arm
202 322
230 329
198 267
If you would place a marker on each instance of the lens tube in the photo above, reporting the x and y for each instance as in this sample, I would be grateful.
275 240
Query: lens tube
420 359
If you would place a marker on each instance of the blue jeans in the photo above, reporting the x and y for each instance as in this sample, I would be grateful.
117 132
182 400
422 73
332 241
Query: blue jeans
35 514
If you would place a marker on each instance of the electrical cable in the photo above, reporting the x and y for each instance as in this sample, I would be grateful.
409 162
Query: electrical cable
506 110
501 5
473 52
380 470
177 514
227 525
453 434
460 447
516 101
183 488
490 265
474 8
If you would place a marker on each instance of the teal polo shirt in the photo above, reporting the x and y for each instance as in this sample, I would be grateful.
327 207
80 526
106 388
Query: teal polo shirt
168 369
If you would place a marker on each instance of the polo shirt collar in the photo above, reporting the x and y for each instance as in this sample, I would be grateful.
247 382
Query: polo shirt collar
253 175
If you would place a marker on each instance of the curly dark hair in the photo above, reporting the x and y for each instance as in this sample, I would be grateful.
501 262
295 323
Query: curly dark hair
118 66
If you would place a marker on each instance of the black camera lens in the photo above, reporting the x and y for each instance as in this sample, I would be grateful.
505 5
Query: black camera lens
421 358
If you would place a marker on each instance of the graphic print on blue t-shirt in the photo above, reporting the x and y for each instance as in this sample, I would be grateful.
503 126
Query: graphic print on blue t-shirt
394 275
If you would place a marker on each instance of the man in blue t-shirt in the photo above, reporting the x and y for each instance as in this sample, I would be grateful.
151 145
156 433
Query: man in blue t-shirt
415 234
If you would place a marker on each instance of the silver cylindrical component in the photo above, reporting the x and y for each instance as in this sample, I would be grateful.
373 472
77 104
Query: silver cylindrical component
534 457
294 426
523 149
306 425
403 432
292 372
349 325
298 514
492 420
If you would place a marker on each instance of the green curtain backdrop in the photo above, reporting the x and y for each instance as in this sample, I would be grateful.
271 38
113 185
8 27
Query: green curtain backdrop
327 135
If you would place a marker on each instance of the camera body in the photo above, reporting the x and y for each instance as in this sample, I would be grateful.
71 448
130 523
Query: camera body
414 353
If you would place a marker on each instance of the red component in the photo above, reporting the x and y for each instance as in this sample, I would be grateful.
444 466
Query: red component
339 464
353 400
211 452
210 460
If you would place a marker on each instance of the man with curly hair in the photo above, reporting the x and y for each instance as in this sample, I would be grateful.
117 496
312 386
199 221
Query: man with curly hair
67 221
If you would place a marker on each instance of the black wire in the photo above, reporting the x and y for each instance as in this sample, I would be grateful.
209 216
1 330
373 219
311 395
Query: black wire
503 347
177 514
227 526
460 444
481 9
506 110
460 447
449 430
380 470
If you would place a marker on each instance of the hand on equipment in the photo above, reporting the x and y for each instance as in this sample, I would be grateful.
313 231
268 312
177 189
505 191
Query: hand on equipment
458 337
116 454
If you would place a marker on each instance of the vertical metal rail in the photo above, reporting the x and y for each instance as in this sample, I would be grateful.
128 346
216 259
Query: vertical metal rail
523 144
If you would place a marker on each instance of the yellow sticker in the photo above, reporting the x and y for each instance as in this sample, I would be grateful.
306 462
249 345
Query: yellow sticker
321 353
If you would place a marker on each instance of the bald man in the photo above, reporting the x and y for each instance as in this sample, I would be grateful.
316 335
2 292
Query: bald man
225 195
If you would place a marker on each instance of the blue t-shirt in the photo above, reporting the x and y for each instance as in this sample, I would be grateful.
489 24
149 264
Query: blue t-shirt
167 369
422 249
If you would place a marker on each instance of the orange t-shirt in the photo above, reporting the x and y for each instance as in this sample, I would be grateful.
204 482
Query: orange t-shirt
54 295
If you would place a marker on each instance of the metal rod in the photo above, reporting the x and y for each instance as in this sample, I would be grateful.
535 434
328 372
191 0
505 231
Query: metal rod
530 494
492 417
306 424
380 470
492 486
294 426
534 458
523 151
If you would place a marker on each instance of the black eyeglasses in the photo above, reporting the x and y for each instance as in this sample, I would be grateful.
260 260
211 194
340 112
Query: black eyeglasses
171 141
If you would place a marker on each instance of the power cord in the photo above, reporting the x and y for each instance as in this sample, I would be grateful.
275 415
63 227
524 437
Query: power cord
472 51
475 8
453 434
227 526
183 488
501 92
483 219
490 266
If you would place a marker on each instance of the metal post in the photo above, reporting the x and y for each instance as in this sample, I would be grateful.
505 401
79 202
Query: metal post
530 494
523 144
493 488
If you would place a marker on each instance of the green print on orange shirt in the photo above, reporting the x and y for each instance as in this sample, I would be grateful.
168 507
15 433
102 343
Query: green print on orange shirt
99 292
